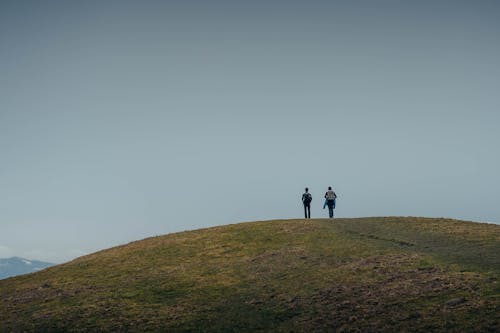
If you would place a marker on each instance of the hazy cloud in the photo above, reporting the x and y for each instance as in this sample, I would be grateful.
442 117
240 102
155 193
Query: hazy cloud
5 252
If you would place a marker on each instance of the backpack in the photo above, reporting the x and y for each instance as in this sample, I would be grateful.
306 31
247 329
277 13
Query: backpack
330 195
307 198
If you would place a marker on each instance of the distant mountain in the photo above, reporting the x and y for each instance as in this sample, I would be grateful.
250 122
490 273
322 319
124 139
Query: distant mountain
17 266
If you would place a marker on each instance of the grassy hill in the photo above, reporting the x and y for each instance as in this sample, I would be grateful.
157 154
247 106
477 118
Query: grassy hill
389 274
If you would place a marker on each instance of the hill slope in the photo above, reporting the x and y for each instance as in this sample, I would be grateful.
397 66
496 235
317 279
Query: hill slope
349 275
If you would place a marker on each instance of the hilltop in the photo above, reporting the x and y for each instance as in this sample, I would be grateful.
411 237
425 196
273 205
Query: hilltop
392 274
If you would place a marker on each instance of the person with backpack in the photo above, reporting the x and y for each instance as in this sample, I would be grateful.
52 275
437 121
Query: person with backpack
330 199
306 200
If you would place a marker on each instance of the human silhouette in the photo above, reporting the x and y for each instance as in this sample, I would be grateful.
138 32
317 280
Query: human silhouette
306 200
330 198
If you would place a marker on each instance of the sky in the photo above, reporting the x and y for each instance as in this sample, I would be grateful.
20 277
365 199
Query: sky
121 120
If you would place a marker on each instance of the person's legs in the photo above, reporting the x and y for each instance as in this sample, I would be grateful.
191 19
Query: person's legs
307 211
330 210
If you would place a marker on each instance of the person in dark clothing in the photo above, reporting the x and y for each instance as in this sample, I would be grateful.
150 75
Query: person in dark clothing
330 197
306 200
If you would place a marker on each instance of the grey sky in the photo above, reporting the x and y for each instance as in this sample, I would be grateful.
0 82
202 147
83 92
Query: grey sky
126 119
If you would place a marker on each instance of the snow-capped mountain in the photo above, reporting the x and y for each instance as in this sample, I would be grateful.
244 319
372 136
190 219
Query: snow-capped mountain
17 266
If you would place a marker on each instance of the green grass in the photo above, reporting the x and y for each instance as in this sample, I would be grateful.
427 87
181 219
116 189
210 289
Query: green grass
351 275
